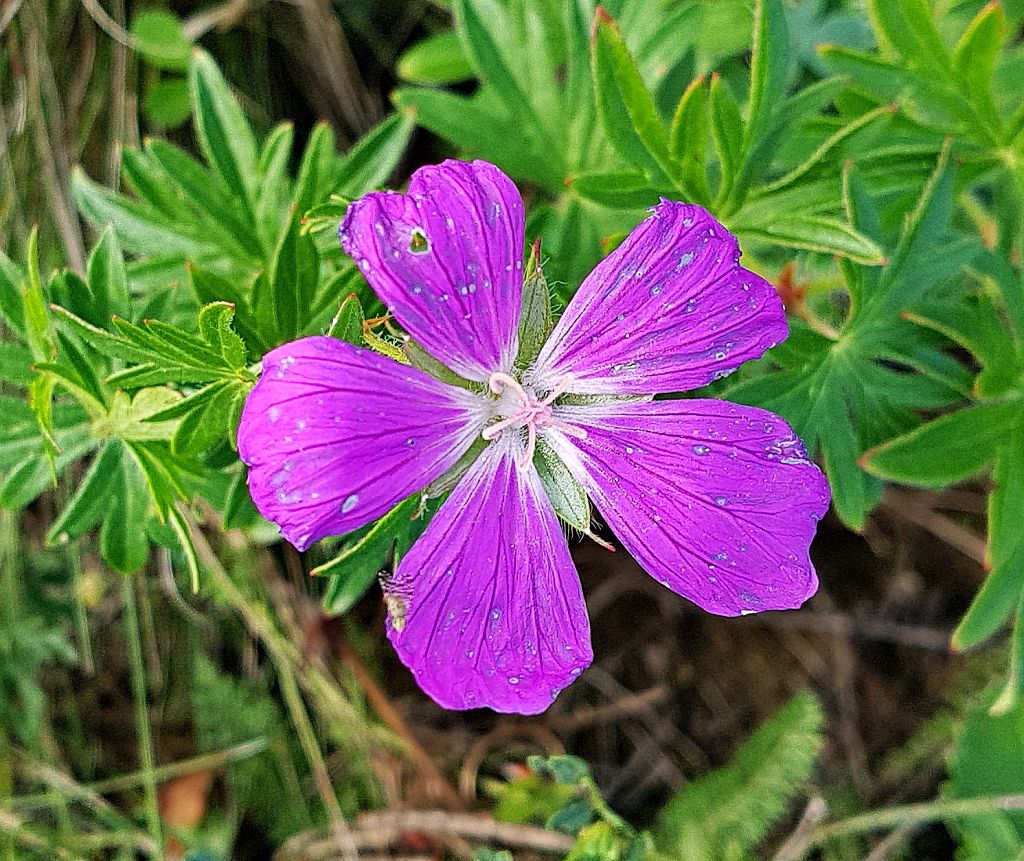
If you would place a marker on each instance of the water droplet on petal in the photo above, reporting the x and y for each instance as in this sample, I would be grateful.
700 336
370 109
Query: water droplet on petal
349 503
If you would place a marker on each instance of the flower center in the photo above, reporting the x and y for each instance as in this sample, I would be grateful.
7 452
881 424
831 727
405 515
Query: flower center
521 408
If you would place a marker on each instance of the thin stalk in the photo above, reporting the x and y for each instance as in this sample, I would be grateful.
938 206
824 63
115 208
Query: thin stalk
160 774
74 561
138 678
910 815
284 657
311 747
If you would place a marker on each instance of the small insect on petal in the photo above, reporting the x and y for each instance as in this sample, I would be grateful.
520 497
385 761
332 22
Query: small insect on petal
396 595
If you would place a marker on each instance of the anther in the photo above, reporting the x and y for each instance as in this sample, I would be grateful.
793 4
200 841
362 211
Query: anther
531 414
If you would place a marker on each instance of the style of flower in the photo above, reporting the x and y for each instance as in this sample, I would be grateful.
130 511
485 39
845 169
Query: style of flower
717 501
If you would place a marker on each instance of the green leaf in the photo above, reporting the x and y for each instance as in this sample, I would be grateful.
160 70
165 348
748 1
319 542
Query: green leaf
902 279
34 473
620 189
1004 586
624 105
11 311
596 842
15 365
374 157
128 418
999 596
108 280
353 570
977 52
854 493
33 305
818 157
168 102
484 26
950 448
317 168
160 38
91 500
986 762
688 140
1013 694
907 28
222 212
239 511
225 136
123 541
727 134
480 131
215 329
567 496
210 288
438 59
139 228
207 420
732 809
283 303
769 68
814 233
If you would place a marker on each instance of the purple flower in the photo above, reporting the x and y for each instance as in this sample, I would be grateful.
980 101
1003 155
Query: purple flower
717 501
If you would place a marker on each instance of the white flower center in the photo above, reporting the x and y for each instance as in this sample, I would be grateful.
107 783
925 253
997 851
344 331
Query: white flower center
518 407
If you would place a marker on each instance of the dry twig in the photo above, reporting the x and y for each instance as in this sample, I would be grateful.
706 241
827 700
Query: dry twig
379 830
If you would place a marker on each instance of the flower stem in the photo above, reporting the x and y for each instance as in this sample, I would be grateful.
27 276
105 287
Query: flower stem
138 679
910 815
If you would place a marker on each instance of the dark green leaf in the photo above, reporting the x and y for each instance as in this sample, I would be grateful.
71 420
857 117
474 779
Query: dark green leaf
108 280
91 500
948 449
373 158
624 105
353 570
814 233
688 140
348 322
769 68
621 189
123 540
224 133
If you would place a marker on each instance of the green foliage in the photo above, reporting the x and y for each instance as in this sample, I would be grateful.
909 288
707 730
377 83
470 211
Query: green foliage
727 813
986 762
832 385
27 643
228 711
884 172
219 254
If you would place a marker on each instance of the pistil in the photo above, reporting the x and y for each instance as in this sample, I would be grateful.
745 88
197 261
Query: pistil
532 413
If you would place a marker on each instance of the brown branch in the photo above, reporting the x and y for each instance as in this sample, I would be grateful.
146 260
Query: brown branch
379 830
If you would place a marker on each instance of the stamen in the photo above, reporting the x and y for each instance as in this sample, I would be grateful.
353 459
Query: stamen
530 415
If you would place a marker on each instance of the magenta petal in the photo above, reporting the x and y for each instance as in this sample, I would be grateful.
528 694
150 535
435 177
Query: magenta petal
335 435
716 501
495 614
447 260
669 310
